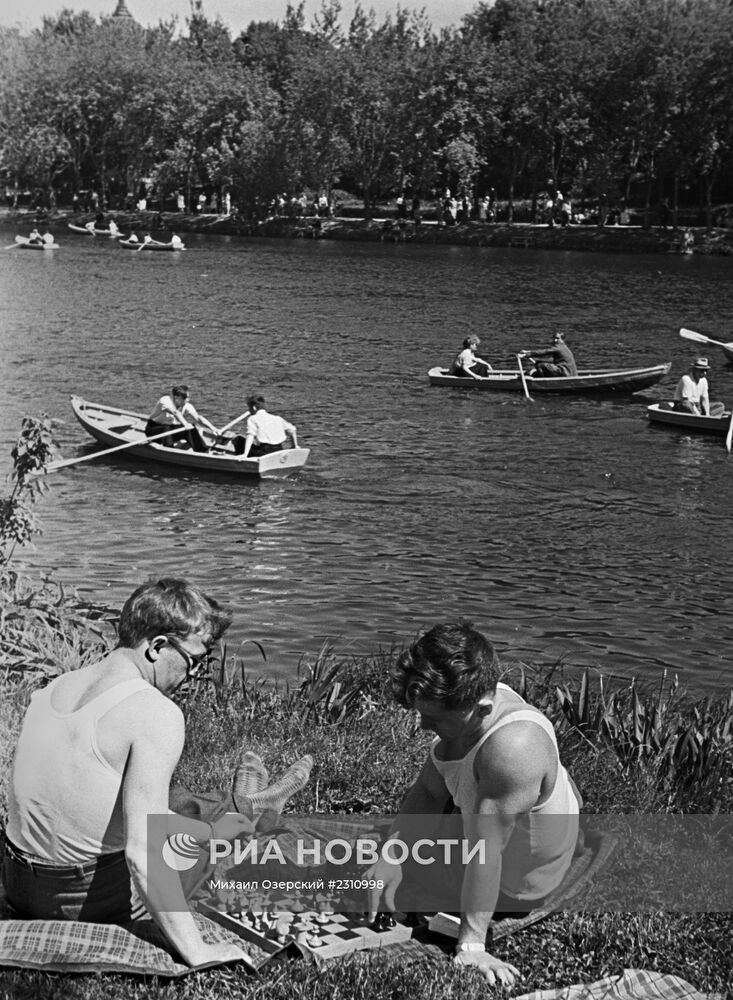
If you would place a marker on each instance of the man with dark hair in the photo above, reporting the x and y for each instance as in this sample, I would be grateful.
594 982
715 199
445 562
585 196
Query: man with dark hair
495 761
560 360
94 762
177 410
264 432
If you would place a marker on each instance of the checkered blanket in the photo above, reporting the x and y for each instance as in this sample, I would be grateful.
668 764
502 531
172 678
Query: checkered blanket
632 984
67 946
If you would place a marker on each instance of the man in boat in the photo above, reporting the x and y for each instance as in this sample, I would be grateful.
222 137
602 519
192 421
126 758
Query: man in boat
113 227
493 776
559 360
467 363
91 777
691 394
264 432
35 237
176 242
177 410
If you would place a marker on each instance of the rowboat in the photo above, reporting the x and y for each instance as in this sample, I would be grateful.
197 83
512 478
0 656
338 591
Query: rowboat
24 243
591 380
94 231
665 413
111 426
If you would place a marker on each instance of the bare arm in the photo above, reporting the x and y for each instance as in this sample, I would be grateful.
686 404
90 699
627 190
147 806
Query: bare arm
426 797
155 749
511 770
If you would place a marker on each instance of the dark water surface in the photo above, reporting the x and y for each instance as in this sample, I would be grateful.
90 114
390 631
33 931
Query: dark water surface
567 528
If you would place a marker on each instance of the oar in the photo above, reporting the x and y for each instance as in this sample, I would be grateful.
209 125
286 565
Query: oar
524 379
233 422
65 463
729 436
700 338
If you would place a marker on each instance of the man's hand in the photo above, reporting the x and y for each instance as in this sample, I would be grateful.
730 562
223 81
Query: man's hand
231 826
391 876
497 972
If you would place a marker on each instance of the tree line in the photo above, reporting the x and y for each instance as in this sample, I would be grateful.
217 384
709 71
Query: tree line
625 101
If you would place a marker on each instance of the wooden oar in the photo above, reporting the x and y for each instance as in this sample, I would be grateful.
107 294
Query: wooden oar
524 379
700 338
65 463
233 422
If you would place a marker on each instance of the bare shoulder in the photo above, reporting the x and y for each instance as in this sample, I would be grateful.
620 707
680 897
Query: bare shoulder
519 754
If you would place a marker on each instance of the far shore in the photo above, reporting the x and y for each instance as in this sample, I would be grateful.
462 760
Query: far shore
385 228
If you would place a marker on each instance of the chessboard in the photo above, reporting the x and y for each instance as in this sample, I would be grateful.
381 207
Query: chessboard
320 933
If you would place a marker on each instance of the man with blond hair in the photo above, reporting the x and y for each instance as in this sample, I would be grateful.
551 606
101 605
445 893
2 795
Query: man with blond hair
94 762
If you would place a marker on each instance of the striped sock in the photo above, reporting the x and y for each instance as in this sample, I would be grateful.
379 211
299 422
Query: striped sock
278 793
250 778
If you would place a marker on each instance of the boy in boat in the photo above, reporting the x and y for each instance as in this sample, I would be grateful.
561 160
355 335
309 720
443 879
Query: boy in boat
176 410
94 761
691 394
467 363
494 762
560 361
264 432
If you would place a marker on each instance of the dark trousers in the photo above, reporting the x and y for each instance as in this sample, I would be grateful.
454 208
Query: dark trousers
192 436
256 450
100 891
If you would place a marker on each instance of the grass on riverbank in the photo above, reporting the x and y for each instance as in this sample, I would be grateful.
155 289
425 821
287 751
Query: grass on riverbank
629 751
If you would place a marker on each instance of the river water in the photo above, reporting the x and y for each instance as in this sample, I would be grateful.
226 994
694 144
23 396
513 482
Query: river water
568 529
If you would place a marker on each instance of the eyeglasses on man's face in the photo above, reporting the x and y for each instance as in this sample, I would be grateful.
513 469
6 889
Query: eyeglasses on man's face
195 662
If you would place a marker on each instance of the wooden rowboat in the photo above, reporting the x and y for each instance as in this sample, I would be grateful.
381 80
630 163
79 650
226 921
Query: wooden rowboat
24 243
95 231
150 245
665 413
591 380
111 426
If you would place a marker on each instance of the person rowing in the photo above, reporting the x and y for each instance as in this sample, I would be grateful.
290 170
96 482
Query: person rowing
560 362
176 410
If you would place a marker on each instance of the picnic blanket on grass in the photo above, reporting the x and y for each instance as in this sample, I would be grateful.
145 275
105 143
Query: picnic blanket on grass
632 984
140 948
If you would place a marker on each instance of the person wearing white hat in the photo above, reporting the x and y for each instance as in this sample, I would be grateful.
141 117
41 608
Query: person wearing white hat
692 394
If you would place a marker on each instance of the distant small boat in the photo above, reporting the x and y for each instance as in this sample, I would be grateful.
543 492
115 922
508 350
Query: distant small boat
593 380
111 426
150 245
25 243
665 413
95 232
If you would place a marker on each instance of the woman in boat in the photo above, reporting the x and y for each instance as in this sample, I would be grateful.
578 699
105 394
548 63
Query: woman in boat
176 410
692 395
560 361
467 363
265 432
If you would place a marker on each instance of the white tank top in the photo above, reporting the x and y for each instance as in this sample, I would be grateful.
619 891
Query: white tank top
542 844
64 801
